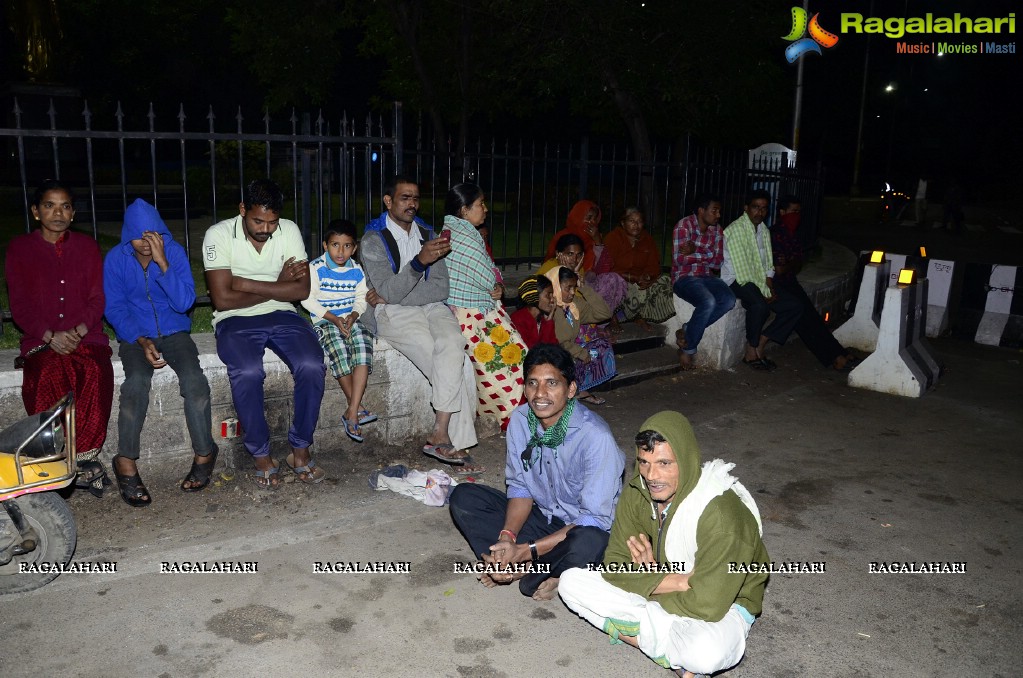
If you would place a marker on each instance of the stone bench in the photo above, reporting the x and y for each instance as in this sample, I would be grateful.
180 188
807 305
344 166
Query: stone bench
397 391
723 343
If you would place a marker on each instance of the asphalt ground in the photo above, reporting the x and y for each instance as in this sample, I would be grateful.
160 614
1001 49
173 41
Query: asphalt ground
843 477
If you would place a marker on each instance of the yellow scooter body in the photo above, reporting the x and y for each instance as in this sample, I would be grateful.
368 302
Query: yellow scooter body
51 475
21 474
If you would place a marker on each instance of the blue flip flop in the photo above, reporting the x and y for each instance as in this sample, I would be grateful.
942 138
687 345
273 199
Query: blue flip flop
350 429
366 417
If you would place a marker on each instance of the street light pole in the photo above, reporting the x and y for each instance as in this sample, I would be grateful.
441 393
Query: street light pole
854 190
798 106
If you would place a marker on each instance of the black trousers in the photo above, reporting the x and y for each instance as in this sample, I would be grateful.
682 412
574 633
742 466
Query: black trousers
479 512
811 328
787 311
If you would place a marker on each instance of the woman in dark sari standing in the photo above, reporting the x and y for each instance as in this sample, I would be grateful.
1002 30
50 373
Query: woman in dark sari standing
55 282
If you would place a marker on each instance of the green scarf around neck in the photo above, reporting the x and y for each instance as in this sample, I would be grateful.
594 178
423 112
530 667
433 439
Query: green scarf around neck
552 438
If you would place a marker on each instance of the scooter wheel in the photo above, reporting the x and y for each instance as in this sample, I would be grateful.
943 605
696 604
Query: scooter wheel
53 522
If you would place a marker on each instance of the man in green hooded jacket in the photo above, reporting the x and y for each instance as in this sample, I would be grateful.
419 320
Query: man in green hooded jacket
675 580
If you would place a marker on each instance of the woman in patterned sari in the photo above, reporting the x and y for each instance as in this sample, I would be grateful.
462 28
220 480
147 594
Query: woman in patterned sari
55 281
594 267
491 340
578 306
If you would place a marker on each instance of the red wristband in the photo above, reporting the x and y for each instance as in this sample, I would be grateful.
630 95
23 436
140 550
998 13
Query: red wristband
509 533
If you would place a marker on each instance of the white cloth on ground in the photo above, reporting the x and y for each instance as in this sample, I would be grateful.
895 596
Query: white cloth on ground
428 487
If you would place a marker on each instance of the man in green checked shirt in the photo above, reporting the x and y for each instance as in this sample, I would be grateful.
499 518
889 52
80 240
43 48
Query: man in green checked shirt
748 268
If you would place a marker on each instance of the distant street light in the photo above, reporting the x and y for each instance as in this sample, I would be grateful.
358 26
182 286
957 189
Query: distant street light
890 87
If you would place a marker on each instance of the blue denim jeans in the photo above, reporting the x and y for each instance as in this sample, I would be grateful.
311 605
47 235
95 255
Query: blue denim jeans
183 357
711 298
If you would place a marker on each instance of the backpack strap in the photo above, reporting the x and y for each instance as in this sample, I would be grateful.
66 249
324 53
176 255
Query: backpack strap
391 247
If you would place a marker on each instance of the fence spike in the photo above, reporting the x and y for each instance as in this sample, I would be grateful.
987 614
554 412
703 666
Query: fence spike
17 110
87 114
266 118
239 118
181 114
119 114
211 117
294 117
152 117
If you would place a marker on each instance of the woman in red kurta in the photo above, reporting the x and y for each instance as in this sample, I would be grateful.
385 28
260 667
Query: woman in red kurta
533 320
634 257
55 283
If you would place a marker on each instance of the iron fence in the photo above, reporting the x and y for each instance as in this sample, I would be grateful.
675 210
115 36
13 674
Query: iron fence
530 186
192 175
331 171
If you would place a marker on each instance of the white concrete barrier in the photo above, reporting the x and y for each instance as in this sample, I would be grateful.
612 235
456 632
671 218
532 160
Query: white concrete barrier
902 363
861 330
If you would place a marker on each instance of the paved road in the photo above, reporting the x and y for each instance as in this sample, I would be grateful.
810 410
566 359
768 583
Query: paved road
843 477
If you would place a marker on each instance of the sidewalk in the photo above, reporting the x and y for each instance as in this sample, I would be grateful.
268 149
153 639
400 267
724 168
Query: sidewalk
842 476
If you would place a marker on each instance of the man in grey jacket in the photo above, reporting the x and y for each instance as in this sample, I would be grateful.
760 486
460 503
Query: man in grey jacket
408 281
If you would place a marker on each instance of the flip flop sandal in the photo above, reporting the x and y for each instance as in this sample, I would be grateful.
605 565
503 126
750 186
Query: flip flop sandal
366 417
757 364
468 467
200 473
92 477
431 450
350 429
310 474
264 479
131 488
593 400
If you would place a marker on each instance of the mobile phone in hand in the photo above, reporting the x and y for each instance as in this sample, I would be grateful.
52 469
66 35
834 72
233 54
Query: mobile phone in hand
446 234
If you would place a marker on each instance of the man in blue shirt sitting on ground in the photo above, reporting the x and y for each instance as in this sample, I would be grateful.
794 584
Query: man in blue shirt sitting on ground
564 476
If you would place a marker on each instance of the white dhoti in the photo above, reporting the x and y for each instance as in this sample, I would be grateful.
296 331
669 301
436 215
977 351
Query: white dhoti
670 640
429 336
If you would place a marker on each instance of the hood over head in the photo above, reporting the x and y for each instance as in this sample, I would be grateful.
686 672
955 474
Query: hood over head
139 217
676 429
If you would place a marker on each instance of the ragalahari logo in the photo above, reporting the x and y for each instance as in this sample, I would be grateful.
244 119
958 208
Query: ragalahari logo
801 45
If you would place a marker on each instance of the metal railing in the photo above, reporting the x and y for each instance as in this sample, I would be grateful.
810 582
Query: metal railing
329 171
530 187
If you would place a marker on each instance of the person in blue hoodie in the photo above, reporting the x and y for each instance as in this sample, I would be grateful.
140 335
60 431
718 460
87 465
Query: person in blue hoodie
149 291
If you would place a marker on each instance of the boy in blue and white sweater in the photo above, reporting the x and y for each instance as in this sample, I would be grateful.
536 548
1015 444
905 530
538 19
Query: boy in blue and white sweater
337 297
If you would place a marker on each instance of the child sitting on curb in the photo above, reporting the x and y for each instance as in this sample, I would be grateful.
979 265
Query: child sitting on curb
337 297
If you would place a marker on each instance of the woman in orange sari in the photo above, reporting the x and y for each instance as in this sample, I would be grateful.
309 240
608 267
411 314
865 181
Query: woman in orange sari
595 266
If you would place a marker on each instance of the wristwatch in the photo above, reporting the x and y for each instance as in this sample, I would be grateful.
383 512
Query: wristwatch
533 552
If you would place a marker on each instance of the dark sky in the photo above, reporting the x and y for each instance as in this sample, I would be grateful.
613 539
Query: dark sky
955 115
